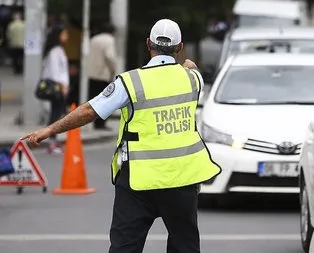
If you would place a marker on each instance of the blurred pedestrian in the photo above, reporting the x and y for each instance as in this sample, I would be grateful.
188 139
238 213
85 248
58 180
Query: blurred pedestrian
2 46
53 21
101 64
15 36
56 69
309 8
73 51
217 28
5 19
160 158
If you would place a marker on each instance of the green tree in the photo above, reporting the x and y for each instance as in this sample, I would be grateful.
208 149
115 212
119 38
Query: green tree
57 6
193 17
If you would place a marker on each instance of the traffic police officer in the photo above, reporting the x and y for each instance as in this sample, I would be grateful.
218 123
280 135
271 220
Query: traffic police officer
160 157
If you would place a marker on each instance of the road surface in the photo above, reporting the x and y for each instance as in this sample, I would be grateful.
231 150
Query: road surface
35 222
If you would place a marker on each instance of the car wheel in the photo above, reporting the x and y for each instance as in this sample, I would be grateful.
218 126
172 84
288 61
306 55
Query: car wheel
305 220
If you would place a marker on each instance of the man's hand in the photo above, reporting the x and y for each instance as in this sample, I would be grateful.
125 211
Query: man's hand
35 138
189 64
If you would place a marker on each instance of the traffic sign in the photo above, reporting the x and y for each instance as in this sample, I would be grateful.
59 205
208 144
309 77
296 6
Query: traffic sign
27 170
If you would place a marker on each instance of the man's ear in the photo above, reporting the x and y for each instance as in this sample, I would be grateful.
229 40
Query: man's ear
148 44
180 48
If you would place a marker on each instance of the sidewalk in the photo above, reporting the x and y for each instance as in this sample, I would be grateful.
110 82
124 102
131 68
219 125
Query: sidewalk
11 106
11 86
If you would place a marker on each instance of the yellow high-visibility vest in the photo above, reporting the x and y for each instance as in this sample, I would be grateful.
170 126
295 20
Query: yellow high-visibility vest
164 147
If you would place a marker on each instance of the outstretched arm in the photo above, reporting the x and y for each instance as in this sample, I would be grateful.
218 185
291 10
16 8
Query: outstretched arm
112 98
81 116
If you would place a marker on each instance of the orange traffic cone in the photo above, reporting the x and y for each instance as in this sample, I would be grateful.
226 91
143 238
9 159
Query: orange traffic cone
73 179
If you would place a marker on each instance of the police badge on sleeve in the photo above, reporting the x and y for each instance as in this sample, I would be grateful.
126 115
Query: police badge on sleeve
109 90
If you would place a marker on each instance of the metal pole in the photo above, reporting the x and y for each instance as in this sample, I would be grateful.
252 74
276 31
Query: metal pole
119 18
35 11
85 52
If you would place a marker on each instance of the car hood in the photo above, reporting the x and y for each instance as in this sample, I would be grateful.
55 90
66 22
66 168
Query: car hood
273 123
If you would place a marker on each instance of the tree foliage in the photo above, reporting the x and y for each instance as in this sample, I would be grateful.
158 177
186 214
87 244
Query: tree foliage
57 6
192 16
99 9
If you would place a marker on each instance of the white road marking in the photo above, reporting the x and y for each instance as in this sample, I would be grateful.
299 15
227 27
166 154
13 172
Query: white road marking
150 237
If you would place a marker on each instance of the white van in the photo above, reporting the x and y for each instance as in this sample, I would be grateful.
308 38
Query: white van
269 13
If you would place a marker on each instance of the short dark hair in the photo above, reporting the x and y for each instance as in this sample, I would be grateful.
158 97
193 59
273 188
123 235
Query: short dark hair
165 50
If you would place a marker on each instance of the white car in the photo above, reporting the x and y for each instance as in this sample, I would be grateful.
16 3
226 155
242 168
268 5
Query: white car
253 123
275 39
312 245
306 167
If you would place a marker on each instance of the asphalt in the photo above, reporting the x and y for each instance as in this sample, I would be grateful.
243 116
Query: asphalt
11 105
36 222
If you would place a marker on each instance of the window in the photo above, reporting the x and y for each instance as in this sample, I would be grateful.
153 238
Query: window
253 46
267 85
247 21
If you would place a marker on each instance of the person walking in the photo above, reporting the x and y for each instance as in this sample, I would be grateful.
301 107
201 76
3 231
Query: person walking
73 51
160 158
55 68
15 37
102 64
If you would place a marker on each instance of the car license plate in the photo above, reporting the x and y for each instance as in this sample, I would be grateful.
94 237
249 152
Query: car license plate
278 169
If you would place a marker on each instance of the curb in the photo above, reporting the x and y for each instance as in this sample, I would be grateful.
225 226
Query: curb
10 97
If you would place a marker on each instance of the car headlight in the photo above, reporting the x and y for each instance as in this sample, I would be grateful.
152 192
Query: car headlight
213 135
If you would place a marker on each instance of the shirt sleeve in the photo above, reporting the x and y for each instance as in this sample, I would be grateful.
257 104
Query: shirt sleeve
59 67
113 97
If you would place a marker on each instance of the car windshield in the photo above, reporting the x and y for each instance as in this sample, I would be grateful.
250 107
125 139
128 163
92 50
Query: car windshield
267 85
253 46
248 21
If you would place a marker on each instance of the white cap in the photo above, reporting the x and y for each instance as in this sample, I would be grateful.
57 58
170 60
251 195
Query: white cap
168 29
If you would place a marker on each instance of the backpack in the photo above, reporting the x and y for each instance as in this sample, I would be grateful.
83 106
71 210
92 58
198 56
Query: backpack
6 166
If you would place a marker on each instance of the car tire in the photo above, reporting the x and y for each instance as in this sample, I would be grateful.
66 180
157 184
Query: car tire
306 227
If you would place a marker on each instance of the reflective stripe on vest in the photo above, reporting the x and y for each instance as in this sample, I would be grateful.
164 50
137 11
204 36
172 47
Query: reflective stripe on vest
164 147
169 153
178 99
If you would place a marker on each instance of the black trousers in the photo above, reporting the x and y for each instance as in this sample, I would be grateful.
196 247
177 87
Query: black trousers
17 55
74 92
57 108
135 211
94 88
